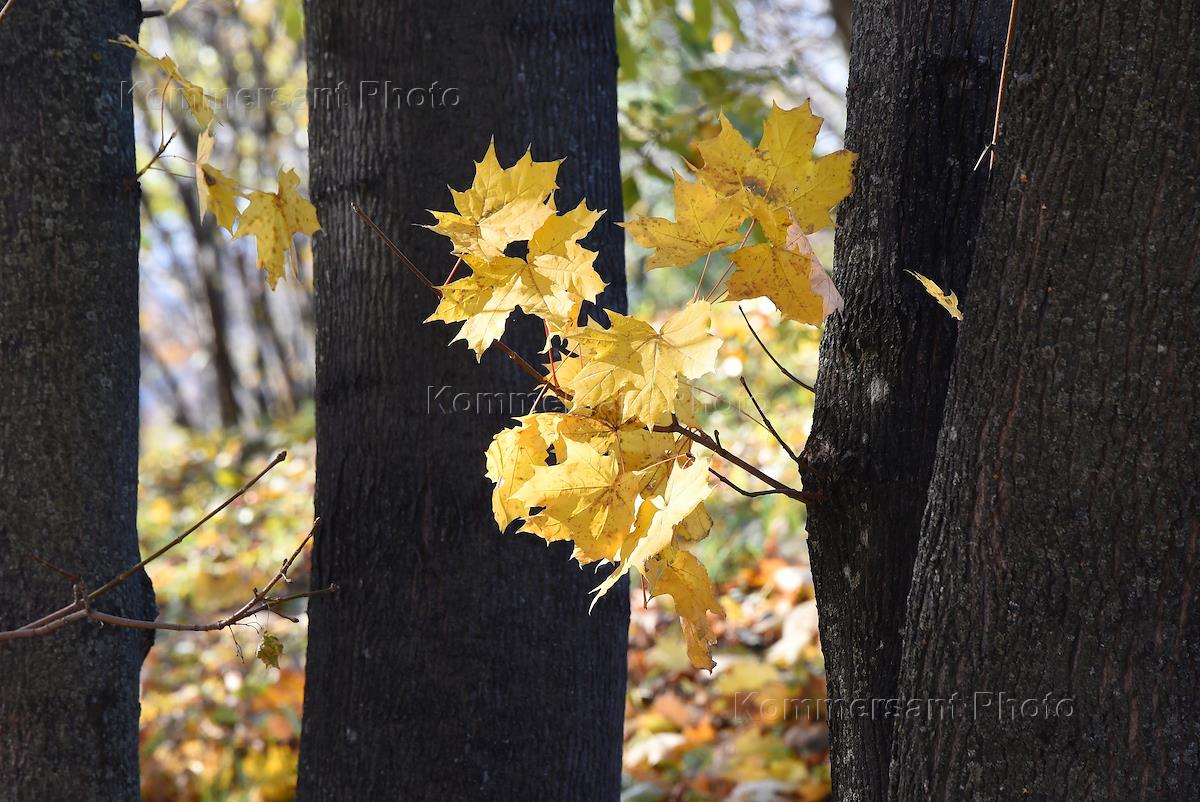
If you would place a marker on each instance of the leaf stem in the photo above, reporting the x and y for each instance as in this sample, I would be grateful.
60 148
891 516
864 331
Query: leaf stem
7 7
730 266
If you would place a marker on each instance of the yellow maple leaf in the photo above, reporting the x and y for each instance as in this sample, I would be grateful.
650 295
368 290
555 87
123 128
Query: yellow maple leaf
197 101
686 489
679 574
503 205
218 192
512 457
585 497
559 231
553 281
949 302
780 177
779 274
272 218
642 363
484 300
705 221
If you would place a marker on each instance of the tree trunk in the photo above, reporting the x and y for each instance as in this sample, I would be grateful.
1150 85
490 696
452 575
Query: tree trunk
454 663
1059 550
68 398
921 97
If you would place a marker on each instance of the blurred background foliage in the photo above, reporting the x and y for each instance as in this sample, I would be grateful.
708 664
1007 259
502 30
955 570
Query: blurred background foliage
228 376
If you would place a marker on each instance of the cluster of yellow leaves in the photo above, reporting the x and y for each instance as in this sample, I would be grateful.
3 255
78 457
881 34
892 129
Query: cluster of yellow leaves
782 188
507 205
598 474
621 493
272 218
613 472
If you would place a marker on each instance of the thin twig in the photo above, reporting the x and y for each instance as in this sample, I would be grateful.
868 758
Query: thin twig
74 578
726 402
265 605
767 351
550 353
747 493
281 574
260 602
124 575
157 154
43 629
767 421
702 438
391 246
4 11
112 583
435 289
703 273
991 147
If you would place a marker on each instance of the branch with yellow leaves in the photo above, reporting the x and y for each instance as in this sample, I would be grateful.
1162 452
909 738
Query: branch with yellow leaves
698 436
521 362
261 600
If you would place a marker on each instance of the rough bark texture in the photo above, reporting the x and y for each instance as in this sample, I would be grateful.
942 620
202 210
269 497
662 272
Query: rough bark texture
455 662
68 398
920 102
1059 551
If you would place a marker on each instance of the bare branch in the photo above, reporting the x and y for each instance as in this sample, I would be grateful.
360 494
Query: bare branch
80 604
748 493
265 605
259 603
702 438
991 147
128 572
767 421
767 351
391 246
281 574
7 7
74 578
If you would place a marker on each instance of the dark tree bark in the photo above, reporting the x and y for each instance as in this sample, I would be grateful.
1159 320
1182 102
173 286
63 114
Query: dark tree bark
68 398
921 97
1059 550
456 662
